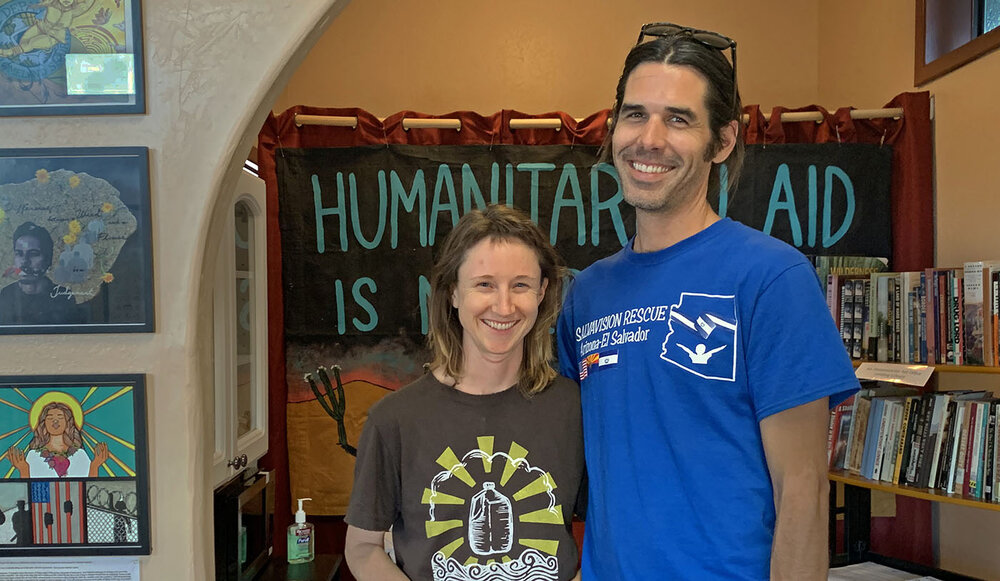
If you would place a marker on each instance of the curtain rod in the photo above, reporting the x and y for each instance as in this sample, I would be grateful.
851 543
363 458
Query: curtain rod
556 123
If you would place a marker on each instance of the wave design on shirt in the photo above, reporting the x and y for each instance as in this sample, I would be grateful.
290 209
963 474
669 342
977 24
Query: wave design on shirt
530 566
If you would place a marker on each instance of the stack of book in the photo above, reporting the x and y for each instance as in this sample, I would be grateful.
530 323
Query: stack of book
948 316
947 441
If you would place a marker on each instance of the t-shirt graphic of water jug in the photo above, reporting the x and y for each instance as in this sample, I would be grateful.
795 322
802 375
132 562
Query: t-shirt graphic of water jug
491 529
494 514
702 336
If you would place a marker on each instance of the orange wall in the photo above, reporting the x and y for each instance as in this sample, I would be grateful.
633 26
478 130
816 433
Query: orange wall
865 51
438 56
967 146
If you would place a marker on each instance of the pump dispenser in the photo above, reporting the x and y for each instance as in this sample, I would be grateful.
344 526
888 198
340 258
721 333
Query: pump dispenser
301 544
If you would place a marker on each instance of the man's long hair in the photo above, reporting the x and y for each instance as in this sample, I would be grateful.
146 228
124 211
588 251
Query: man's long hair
497 224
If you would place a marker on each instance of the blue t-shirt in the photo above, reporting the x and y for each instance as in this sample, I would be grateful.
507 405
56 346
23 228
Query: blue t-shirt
680 354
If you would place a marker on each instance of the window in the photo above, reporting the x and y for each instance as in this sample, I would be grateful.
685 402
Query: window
240 330
951 33
991 15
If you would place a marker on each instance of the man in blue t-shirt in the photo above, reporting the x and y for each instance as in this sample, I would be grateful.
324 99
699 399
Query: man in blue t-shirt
705 353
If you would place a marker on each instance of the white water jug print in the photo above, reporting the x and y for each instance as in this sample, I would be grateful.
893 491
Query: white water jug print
491 528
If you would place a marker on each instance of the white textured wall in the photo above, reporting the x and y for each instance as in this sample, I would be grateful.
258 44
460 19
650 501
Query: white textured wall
210 71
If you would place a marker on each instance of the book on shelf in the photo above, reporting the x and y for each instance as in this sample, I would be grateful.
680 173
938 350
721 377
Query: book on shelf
940 475
880 315
995 459
859 431
902 443
848 265
937 316
959 486
923 354
833 297
846 292
977 305
860 335
973 486
956 440
949 441
995 314
917 436
958 326
988 452
932 327
875 416
938 422
884 434
846 299
840 440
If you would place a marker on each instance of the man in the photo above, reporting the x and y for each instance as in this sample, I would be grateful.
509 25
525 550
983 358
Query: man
706 356
32 300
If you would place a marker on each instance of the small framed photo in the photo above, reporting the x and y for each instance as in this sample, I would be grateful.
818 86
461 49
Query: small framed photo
74 478
71 57
75 244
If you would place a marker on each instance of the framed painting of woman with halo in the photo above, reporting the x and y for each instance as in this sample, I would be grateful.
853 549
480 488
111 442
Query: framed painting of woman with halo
73 466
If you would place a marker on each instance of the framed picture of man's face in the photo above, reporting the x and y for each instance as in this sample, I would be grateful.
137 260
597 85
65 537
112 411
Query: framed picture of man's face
75 245
71 57
73 466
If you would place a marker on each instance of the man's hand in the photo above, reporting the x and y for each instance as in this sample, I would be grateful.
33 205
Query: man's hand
795 448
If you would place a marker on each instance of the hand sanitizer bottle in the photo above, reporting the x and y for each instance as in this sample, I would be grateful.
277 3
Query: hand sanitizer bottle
301 544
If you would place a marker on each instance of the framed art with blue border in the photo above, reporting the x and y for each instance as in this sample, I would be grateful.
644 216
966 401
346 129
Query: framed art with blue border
71 57
74 477
75 242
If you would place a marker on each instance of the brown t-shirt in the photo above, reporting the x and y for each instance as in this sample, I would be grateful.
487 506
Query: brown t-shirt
474 486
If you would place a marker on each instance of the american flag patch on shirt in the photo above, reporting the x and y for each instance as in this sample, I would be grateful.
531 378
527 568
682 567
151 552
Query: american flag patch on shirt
585 364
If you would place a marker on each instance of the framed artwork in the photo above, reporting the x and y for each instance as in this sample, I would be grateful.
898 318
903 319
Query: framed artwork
73 466
75 245
71 57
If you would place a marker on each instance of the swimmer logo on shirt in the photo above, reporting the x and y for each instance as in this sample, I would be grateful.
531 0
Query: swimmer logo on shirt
702 336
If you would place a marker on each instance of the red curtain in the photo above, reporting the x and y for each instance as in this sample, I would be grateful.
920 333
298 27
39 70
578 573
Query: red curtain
912 180
912 209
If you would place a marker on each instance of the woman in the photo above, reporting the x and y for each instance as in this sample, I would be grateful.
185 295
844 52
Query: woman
57 448
477 465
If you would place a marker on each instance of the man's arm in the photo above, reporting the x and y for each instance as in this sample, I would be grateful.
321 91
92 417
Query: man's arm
366 557
795 448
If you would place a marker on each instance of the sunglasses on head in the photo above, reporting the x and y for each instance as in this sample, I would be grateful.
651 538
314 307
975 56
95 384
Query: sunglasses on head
703 37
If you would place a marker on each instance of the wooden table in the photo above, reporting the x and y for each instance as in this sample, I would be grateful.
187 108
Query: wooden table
322 568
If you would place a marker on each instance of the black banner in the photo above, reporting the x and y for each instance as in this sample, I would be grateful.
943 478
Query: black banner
360 226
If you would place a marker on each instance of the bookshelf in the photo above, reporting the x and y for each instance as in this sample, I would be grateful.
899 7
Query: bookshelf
930 494
856 508
941 368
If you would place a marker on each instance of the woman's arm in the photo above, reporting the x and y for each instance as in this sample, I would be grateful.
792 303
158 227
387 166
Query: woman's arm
366 557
